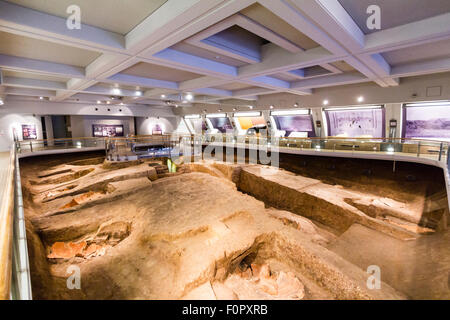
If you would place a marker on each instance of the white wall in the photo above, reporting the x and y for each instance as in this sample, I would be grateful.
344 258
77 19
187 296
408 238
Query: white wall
145 124
81 126
12 120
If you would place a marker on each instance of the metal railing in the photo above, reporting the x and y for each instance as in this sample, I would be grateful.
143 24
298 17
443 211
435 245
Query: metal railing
14 266
429 149
55 144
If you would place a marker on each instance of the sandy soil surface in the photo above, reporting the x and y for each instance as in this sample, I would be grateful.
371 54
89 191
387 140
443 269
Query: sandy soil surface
209 231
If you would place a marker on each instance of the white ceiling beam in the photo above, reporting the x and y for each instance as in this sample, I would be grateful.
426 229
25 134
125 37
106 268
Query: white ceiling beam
333 80
41 67
131 80
408 35
186 18
299 21
29 92
277 60
332 17
251 92
33 83
24 21
421 68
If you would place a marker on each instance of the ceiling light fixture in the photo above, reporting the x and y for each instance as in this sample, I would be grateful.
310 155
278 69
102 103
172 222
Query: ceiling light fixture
251 107
247 114
360 99
271 107
116 91
296 105
98 102
163 96
325 102
1 102
189 97
290 112
108 102
139 93
41 98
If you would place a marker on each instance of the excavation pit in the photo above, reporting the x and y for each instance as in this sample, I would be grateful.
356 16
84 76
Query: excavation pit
227 231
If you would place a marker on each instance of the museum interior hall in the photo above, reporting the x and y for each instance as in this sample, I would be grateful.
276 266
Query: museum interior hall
224 150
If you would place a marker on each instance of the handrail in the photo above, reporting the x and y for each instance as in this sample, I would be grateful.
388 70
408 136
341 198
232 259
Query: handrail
6 229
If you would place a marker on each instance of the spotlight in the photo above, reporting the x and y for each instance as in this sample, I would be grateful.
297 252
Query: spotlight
234 109
325 102
163 96
296 105
220 110
271 107
41 98
108 102
98 102
189 97
360 99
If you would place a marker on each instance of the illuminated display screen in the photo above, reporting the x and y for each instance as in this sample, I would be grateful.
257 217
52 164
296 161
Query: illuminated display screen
356 123
295 123
221 124
427 122
248 122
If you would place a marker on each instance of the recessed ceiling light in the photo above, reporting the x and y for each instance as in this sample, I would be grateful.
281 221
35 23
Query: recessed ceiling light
41 98
139 93
98 102
108 102
325 102
121 103
360 99
251 107
189 97
271 107
163 96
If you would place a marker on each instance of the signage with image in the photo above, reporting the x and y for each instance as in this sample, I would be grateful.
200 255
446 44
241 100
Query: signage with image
365 122
29 132
107 130
427 122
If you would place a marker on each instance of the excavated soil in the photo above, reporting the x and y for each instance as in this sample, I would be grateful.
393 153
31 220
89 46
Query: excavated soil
221 231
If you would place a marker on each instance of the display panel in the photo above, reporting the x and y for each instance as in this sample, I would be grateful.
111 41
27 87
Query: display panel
367 122
248 122
431 122
221 124
295 123
29 132
107 130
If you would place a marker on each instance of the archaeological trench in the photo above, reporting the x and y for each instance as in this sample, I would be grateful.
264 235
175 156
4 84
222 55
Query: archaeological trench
215 230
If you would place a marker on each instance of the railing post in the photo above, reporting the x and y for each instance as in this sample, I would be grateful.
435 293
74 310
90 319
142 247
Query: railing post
418 149
31 146
441 149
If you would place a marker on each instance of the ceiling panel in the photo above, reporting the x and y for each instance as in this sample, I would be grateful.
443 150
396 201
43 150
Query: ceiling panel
395 12
152 71
200 52
234 86
423 52
271 21
25 47
16 74
119 16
